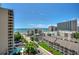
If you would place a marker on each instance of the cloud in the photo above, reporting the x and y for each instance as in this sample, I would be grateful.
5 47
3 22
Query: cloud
40 25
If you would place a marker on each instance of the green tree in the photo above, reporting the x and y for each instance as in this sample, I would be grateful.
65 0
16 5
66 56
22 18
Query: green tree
31 48
17 36
76 35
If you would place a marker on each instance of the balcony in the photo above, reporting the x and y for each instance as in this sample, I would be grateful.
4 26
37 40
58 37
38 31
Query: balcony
10 12
10 37
11 45
10 26
10 16
10 31
10 34
10 48
10 23
10 42
10 20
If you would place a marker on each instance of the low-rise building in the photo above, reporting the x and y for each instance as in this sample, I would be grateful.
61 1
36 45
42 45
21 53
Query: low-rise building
66 35
64 46
52 28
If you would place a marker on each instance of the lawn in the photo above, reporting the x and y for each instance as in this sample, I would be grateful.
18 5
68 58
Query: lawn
52 50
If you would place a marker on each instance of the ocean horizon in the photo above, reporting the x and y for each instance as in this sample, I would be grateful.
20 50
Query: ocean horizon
26 29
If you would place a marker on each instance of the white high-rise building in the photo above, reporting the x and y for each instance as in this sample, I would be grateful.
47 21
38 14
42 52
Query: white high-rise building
68 25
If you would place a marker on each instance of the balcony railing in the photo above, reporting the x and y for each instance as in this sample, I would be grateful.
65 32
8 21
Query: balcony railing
10 31
10 20
10 42
10 48
10 45
10 34
10 37
10 17
10 26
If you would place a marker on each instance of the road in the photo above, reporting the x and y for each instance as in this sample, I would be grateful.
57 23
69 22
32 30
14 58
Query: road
41 49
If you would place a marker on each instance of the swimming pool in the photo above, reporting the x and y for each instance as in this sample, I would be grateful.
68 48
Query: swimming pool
16 50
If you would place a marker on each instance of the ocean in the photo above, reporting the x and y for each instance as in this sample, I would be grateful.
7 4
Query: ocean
23 30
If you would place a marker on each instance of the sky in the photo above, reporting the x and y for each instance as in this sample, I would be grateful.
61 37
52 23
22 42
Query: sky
41 15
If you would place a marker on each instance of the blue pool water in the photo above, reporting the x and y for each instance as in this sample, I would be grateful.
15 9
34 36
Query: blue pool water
16 50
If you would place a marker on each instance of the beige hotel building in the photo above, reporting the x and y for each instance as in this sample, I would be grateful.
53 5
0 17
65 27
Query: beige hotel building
6 31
